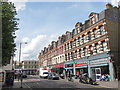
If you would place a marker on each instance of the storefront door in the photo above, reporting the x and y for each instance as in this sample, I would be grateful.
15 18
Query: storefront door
98 73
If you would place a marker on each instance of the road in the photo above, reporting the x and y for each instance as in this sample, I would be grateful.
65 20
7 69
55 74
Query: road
33 82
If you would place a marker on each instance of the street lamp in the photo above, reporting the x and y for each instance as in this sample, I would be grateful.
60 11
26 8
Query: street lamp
19 60
20 51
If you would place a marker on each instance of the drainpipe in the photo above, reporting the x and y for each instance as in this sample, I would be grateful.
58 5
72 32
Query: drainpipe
111 69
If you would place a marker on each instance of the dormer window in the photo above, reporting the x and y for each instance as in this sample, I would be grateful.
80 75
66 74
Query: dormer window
93 18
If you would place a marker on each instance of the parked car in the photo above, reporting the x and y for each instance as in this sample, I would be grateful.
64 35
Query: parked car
52 76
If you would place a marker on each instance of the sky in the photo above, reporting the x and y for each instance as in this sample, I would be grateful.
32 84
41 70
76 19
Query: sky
43 22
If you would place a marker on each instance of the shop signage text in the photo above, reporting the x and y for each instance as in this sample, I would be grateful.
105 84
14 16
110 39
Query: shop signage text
68 65
79 64
100 61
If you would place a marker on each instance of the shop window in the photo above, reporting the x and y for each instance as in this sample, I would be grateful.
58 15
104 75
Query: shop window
101 30
89 36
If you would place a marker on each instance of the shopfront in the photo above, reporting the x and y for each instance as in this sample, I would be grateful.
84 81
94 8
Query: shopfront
95 66
99 67
58 68
81 67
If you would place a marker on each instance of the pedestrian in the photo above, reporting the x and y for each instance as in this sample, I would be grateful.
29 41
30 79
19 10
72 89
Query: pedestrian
19 75
103 78
107 77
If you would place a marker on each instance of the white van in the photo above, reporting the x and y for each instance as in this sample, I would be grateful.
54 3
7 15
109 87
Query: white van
43 73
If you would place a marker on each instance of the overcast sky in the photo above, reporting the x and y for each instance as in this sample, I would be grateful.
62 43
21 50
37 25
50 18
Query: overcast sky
42 22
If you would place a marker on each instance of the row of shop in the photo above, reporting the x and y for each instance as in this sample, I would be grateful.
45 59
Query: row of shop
95 66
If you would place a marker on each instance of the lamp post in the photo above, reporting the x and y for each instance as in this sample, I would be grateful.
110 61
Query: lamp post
19 61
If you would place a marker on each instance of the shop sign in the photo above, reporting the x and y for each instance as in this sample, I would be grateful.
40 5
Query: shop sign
100 61
79 64
68 65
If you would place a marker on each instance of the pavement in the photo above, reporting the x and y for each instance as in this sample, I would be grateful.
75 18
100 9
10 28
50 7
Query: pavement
104 84
17 86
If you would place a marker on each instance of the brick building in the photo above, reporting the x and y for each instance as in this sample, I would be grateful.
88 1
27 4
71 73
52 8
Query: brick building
91 47
53 56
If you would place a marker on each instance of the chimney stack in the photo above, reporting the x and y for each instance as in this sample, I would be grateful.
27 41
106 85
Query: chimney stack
108 6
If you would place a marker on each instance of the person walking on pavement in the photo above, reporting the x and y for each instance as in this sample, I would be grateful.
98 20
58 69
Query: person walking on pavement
19 76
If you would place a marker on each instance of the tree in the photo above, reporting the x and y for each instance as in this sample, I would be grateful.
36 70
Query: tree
9 26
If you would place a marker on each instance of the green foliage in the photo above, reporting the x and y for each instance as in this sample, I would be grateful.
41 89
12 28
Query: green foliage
9 26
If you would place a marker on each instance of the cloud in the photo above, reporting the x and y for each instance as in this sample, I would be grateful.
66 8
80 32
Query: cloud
115 2
32 49
20 5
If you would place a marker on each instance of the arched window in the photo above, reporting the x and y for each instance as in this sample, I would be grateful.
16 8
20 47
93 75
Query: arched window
80 52
84 51
104 45
65 57
97 47
71 44
74 42
78 40
83 38
72 55
101 30
68 45
91 51
94 33
75 56
89 36
68 56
